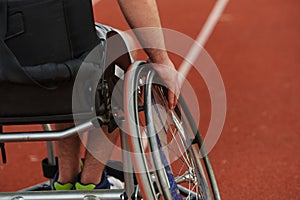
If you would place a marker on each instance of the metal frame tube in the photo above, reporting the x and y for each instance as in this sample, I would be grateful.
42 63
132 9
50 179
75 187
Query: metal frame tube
47 135
111 194
127 163
50 146
50 151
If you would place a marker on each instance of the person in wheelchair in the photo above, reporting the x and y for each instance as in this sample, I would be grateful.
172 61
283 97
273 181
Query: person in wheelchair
59 31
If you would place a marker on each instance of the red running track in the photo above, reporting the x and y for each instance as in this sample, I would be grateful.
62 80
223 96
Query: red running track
256 47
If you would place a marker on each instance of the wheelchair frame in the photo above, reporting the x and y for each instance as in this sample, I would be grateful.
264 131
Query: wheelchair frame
113 194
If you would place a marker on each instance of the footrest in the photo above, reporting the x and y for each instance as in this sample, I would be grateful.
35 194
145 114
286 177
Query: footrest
49 170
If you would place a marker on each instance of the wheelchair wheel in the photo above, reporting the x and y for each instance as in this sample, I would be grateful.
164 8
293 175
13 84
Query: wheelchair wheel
166 145
177 148
133 107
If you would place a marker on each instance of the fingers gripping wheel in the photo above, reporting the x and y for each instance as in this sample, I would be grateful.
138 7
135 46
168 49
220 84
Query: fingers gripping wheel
172 151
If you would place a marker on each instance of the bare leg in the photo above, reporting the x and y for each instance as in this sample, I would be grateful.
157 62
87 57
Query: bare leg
68 151
99 148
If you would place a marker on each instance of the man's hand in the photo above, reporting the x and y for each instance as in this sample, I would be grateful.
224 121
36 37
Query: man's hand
169 75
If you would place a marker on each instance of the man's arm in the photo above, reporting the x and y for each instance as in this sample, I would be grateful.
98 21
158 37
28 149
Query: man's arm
142 14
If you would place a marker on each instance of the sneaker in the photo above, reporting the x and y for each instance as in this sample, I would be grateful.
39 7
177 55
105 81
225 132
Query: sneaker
68 186
59 186
104 184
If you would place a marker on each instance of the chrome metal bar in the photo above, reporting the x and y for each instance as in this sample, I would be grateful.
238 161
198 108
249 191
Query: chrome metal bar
50 146
45 136
127 163
50 151
64 195
188 192
36 187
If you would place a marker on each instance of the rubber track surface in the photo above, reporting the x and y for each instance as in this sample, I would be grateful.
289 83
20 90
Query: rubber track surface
256 47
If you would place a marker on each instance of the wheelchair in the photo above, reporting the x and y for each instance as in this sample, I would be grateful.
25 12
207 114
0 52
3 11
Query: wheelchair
163 154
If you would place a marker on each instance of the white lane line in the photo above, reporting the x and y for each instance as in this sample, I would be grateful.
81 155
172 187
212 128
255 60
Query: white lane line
202 38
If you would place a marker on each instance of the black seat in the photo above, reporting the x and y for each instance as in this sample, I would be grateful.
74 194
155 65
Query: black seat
30 103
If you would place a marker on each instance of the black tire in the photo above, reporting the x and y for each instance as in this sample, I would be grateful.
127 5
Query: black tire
177 148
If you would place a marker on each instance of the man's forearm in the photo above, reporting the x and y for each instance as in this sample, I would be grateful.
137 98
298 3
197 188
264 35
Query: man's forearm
144 13
141 14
